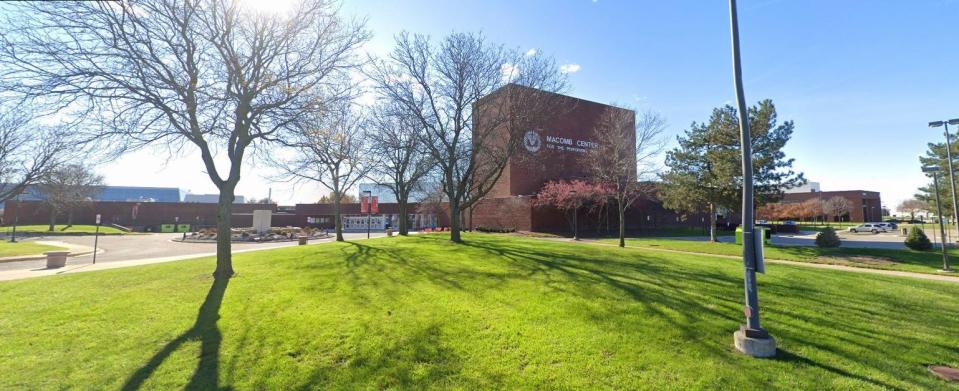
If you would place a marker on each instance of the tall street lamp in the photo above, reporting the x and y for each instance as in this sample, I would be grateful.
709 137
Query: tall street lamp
934 170
751 338
369 210
952 181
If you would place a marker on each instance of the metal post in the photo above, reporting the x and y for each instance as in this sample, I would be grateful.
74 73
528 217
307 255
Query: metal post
16 219
952 181
752 328
942 228
96 239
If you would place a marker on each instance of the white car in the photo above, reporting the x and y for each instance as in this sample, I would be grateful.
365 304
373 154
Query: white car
869 227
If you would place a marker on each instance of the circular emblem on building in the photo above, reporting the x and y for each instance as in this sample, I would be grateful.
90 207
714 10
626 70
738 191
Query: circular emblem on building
532 142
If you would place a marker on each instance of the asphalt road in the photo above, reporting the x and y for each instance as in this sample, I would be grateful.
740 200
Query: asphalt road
133 247
887 240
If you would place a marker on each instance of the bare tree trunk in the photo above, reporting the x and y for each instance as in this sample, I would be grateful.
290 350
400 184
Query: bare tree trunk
53 219
404 230
224 226
470 211
622 224
454 221
712 222
337 217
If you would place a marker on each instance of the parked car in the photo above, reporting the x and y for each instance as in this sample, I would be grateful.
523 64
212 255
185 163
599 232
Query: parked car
890 226
789 222
868 227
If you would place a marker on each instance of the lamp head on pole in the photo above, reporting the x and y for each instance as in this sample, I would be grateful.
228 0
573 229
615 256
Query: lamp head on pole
936 124
954 121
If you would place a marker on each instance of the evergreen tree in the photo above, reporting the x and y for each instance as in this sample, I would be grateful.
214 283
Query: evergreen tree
705 171
917 240
936 156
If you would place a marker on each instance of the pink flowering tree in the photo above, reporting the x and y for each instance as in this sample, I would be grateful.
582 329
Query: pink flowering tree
571 196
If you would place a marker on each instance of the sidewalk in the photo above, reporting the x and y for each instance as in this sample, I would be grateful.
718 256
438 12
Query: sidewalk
7 275
896 273
74 249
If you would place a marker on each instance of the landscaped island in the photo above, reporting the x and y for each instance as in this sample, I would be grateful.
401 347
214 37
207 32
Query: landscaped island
274 234
495 312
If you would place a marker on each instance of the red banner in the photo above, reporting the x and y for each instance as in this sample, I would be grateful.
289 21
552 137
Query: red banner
364 204
375 205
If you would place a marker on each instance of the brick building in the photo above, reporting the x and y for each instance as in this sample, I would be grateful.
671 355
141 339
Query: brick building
864 206
554 150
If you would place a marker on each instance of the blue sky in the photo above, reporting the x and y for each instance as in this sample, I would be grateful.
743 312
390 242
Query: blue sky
860 78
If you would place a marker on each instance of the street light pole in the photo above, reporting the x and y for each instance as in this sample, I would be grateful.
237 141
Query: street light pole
934 170
16 219
369 211
952 181
751 338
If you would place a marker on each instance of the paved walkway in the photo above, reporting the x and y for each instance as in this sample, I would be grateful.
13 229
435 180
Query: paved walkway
897 273
135 250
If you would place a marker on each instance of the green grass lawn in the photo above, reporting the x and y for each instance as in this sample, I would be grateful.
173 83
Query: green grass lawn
886 259
64 229
8 249
497 312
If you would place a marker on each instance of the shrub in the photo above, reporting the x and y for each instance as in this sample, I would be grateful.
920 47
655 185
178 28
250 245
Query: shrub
500 230
917 240
828 238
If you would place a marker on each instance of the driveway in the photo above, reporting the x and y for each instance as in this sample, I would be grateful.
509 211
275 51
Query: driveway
122 248
887 240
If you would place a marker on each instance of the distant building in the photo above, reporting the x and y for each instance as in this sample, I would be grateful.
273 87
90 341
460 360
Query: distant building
807 188
864 206
385 194
114 193
210 198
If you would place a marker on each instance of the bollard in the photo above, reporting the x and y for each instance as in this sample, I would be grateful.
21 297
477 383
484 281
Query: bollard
302 239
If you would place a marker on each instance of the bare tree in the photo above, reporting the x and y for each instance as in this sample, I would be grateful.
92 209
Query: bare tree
28 152
330 148
473 101
172 73
67 189
626 153
402 161
836 207
811 208
912 206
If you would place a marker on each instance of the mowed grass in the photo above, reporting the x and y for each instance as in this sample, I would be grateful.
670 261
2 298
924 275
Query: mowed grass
496 312
8 249
64 229
873 258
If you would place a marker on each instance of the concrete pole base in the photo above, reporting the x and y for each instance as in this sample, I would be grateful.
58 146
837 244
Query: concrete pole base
755 347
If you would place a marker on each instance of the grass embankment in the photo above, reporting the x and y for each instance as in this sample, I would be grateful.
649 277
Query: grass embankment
497 312
886 259
43 229
8 249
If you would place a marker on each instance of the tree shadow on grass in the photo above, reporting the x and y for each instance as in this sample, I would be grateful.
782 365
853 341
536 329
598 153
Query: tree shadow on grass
204 329
786 356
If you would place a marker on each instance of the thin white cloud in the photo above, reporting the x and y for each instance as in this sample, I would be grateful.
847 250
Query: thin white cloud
531 52
569 68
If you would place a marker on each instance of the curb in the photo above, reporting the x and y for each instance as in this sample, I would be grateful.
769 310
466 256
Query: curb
40 257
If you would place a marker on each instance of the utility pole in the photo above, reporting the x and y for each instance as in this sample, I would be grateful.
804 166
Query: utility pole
751 338
952 181
16 220
934 170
